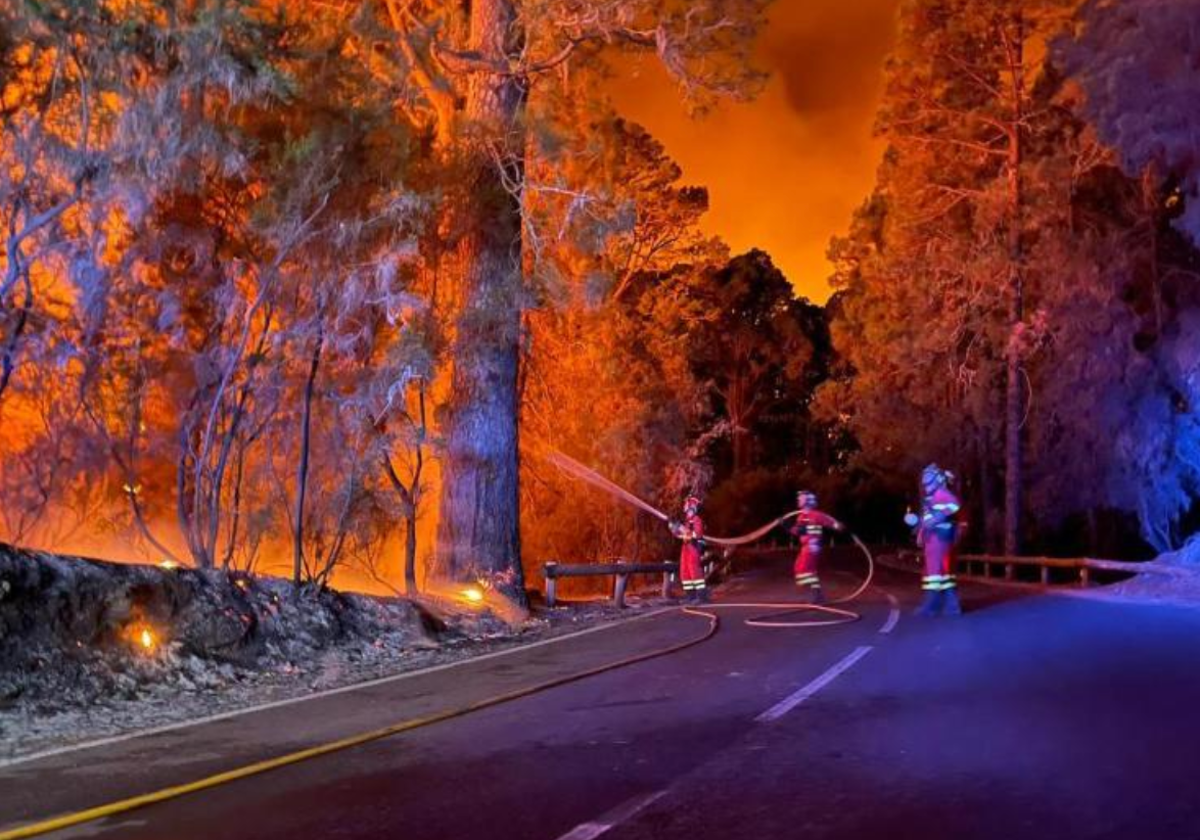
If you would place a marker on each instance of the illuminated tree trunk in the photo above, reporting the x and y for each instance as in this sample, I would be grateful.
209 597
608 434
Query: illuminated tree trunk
1014 373
478 513
302 471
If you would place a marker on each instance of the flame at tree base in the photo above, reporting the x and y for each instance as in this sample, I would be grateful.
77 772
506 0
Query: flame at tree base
473 595
143 638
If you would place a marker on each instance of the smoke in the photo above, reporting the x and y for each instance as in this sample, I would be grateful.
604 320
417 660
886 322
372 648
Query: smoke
784 172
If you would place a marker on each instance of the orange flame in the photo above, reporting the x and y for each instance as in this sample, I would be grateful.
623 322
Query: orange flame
473 594
144 639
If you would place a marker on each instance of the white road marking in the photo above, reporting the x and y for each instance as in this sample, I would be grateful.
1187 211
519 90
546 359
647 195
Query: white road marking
793 700
893 616
610 820
277 704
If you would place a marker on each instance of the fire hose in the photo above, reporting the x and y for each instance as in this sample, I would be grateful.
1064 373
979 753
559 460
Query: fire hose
829 614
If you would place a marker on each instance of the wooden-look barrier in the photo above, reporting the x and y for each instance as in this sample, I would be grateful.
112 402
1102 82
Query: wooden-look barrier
619 570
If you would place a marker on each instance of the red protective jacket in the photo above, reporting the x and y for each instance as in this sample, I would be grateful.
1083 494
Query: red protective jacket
936 533
691 565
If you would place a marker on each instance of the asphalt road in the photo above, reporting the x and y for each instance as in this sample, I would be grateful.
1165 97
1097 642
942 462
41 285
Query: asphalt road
1030 716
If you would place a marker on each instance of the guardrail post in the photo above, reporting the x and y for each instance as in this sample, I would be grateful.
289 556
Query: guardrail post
1085 576
666 585
619 588
1010 571
1045 575
551 583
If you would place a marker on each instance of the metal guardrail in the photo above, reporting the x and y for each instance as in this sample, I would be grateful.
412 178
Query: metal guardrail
984 567
620 570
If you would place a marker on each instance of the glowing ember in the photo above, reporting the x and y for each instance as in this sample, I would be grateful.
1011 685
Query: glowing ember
144 639
168 565
472 594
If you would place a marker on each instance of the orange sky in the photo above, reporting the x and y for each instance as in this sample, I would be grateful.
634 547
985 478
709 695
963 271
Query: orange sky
786 171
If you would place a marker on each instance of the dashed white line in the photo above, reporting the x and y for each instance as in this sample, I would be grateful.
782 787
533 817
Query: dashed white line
610 820
793 700
893 616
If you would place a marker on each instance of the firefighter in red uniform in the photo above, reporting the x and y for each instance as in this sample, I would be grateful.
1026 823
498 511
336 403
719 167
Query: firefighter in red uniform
810 526
936 529
691 556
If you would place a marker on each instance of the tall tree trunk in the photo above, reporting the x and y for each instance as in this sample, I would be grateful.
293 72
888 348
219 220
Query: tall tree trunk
1014 412
302 472
1014 400
986 539
1150 205
741 448
478 526
410 554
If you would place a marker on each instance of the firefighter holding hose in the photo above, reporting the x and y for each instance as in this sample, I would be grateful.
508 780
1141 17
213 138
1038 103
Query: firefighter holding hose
936 530
691 556
810 526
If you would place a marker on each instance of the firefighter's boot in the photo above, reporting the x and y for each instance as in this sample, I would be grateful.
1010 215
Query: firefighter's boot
950 605
815 595
932 603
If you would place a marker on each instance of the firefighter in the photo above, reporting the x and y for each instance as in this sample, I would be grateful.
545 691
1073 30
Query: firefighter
691 556
810 527
936 529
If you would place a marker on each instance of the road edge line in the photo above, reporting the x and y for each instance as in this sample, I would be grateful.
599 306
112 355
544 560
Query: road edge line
109 740
132 803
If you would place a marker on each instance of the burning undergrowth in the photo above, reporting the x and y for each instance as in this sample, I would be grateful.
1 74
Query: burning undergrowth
83 641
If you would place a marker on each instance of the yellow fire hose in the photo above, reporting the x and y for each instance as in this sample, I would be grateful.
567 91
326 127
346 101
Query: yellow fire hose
773 619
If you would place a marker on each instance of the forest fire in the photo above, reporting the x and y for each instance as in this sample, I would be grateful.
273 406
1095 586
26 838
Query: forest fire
143 638
172 370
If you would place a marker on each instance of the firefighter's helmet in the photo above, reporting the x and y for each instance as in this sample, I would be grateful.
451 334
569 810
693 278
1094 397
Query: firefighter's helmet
806 500
691 504
932 477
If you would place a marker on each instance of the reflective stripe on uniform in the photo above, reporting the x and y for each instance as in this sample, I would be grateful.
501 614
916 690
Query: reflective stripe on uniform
938 583
808 580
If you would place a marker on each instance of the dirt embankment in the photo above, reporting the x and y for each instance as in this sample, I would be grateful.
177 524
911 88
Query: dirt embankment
90 649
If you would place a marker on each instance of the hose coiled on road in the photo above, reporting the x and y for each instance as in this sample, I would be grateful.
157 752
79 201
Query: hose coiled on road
779 610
